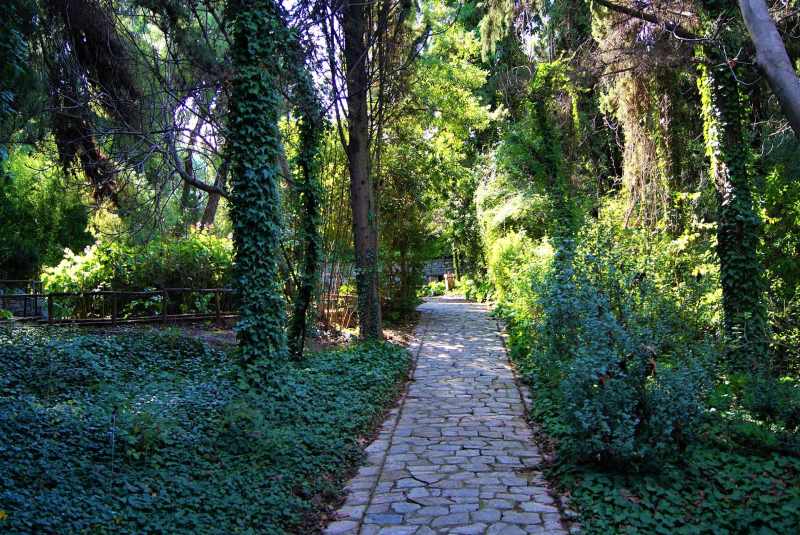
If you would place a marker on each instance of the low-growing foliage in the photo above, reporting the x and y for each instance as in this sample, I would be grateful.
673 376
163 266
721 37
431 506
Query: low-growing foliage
710 491
480 290
434 288
144 433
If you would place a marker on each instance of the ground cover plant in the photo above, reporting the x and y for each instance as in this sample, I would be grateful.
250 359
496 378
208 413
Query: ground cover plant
147 432
713 486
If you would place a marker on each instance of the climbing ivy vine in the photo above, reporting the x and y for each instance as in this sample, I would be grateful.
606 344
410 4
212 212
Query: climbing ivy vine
254 145
310 191
726 139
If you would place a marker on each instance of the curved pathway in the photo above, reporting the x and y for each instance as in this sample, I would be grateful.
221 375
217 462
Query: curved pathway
456 455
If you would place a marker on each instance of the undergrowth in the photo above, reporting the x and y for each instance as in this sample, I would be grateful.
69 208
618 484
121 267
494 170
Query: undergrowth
653 430
136 433
712 487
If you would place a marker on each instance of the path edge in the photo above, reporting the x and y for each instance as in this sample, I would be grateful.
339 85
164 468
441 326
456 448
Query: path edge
378 449
568 515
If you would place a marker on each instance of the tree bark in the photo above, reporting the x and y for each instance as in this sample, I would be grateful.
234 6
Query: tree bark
772 59
210 213
362 188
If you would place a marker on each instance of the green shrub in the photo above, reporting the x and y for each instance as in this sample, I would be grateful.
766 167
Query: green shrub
776 402
201 260
348 288
434 288
513 263
785 343
479 291
600 327
709 491
615 376
629 392
40 213
6 314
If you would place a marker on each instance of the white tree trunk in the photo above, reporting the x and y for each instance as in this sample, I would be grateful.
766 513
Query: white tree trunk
772 58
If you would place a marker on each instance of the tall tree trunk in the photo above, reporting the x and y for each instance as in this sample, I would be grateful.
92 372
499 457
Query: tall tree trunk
773 59
210 212
310 192
189 209
362 188
259 37
738 224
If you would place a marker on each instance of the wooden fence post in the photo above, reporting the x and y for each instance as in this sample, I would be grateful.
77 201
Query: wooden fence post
114 311
50 309
164 306
219 305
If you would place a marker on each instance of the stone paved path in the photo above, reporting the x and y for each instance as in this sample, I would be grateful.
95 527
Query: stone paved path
456 455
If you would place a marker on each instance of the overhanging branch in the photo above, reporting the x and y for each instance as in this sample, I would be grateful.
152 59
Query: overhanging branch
672 27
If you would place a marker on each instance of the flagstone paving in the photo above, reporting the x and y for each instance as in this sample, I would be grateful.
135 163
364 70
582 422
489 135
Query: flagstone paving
456 455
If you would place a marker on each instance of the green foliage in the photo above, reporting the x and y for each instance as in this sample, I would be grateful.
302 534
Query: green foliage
19 18
260 37
148 432
629 384
480 290
427 188
513 263
620 353
616 378
200 260
434 288
41 215
6 314
311 136
533 150
738 223
775 402
779 250
710 491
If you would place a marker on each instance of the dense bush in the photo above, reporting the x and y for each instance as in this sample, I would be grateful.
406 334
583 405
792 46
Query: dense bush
618 337
476 290
629 389
200 260
598 325
513 264
709 491
148 432
433 288
40 214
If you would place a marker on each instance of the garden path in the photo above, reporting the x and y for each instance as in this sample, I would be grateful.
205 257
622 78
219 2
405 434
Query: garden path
456 455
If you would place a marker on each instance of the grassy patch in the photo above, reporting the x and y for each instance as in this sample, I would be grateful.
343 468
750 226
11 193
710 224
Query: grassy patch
137 433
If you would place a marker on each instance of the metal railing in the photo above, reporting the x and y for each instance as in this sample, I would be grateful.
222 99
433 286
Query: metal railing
114 307
117 307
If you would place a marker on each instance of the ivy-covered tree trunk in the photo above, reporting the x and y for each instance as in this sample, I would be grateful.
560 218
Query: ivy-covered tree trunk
253 142
311 125
738 224
362 189
550 80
